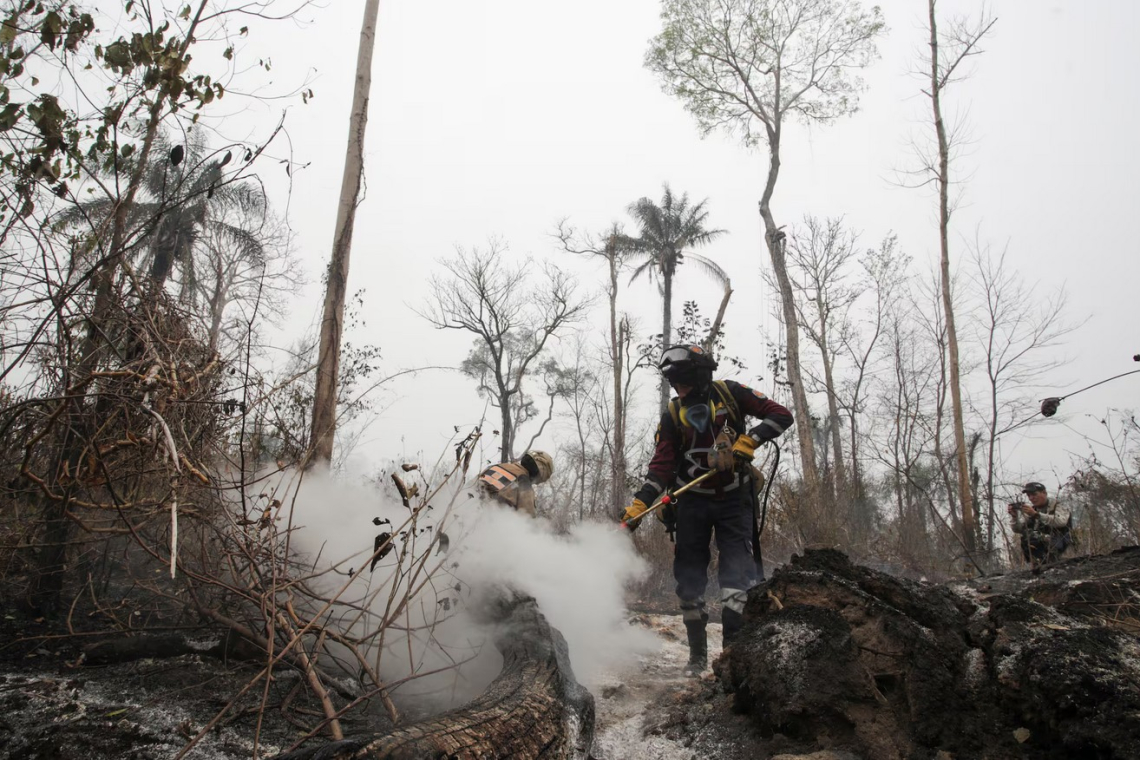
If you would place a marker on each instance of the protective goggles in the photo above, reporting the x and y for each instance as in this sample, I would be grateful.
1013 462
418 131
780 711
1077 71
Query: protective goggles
675 355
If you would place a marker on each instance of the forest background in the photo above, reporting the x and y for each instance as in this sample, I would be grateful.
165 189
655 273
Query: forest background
536 217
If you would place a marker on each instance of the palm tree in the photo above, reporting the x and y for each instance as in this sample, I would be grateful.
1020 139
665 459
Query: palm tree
188 214
667 233
184 191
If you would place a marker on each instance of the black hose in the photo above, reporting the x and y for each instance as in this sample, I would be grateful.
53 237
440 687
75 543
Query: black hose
768 486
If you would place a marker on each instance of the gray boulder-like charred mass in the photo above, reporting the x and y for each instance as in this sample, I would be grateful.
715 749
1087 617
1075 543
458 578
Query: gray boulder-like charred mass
842 657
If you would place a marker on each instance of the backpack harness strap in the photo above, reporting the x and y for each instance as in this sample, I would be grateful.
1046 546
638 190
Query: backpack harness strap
726 401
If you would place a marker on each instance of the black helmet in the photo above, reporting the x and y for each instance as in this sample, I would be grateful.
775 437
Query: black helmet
687 364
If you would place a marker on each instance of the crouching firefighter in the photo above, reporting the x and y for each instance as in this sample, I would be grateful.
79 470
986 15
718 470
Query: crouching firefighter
512 483
703 429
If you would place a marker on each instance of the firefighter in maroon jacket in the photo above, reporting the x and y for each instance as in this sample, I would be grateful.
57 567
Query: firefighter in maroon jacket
704 429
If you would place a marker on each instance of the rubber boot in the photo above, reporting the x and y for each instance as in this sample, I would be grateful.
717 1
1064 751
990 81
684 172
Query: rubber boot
698 647
731 621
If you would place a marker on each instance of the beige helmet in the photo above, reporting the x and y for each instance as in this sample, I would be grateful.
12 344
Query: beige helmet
543 465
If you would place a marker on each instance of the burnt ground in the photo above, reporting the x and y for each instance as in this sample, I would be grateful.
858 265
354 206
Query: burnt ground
56 706
837 662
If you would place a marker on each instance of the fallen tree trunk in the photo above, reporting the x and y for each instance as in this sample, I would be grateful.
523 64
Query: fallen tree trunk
534 709
841 657
167 645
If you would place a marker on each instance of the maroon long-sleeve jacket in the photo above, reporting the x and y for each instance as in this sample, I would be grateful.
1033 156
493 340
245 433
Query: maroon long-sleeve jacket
681 451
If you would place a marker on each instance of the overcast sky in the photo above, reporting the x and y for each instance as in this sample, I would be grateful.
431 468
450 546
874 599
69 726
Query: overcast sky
499 118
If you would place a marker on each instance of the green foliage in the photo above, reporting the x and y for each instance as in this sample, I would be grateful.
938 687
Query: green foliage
744 64
49 143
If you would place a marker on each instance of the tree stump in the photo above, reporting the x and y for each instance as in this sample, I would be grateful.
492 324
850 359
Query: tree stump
535 708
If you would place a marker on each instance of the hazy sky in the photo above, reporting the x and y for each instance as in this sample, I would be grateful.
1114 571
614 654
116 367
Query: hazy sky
498 118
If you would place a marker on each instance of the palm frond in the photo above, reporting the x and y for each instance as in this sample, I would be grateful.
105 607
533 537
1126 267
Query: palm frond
650 267
709 267
247 244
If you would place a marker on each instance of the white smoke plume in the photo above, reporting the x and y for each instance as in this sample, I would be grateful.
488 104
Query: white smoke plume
577 579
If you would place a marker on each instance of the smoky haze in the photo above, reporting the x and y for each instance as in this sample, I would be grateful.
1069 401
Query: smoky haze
578 580
498 120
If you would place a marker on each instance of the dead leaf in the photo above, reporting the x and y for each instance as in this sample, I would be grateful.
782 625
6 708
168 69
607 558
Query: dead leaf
401 488
1055 627
1021 734
378 553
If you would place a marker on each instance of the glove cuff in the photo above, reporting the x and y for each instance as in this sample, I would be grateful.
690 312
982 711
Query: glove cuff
648 493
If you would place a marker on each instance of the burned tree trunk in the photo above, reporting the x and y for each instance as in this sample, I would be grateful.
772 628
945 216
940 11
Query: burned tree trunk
842 657
534 709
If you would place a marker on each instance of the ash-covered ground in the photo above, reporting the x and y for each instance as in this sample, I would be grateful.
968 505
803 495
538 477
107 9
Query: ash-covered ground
629 709
145 710
662 714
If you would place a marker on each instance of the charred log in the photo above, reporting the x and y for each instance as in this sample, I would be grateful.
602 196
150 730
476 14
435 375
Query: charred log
843 657
534 709
168 645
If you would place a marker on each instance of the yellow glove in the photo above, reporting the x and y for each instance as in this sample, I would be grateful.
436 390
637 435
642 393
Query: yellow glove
745 447
633 513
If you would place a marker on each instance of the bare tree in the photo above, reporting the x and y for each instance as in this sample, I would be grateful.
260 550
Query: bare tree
932 318
905 401
610 248
1105 489
1016 323
511 320
579 388
336 288
819 256
947 54
746 65
884 271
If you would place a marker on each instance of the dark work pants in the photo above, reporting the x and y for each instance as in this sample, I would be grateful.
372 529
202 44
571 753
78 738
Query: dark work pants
699 518
1044 547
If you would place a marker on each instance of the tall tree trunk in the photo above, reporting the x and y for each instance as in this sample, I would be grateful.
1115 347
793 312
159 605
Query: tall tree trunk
217 306
332 322
975 478
857 486
991 465
617 356
896 447
969 528
710 340
774 238
666 332
939 420
507 434
832 403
